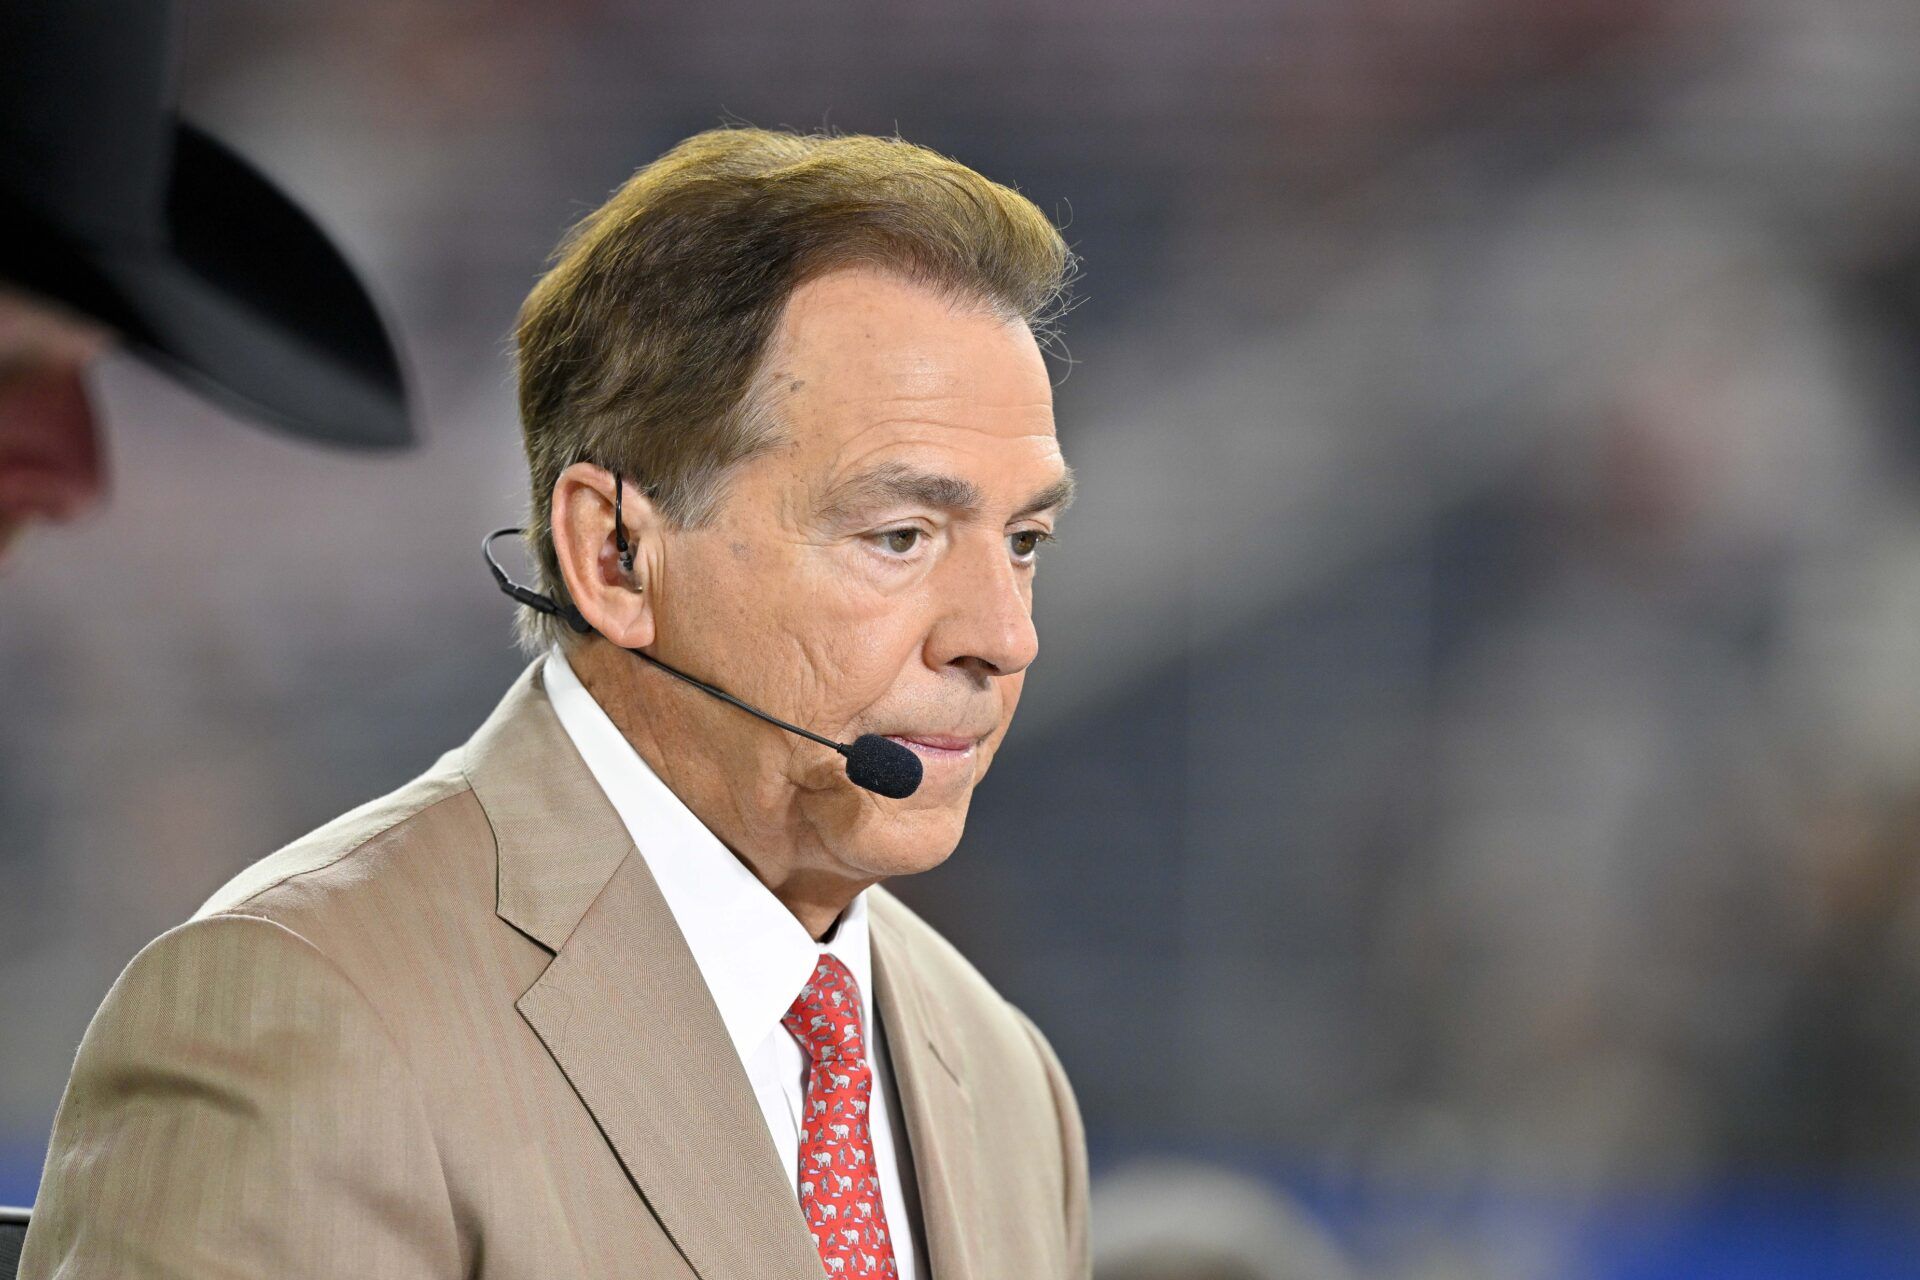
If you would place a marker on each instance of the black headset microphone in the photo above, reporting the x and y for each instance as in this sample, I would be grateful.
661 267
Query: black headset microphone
878 764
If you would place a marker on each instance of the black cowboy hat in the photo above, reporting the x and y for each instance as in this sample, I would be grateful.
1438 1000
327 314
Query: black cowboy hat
114 207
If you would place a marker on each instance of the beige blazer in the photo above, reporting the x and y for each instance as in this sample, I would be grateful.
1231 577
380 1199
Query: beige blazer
457 1033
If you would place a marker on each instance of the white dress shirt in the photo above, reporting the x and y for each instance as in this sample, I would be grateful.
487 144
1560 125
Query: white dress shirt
754 954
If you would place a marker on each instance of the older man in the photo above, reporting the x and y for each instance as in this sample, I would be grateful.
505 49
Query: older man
612 989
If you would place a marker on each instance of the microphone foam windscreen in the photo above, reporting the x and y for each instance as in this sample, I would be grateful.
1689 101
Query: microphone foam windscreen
883 766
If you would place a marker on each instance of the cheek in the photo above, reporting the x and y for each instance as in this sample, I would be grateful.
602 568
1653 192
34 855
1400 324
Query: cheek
854 639
857 662
741 614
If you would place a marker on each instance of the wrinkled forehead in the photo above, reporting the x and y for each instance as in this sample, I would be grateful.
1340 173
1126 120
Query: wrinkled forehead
863 361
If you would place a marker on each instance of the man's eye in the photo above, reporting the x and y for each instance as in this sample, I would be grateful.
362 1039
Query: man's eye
901 541
1026 542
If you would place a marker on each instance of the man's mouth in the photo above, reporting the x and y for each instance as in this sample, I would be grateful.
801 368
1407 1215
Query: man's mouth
936 746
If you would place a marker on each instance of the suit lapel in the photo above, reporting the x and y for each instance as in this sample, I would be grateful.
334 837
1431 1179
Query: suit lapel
928 1071
622 1006
625 1015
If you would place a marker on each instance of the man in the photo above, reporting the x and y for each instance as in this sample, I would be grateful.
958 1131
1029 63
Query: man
118 219
612 989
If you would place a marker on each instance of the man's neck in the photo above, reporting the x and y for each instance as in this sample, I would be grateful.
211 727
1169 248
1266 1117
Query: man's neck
783 852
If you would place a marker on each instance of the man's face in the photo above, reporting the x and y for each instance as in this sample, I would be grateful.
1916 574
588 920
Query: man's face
874 573
50 458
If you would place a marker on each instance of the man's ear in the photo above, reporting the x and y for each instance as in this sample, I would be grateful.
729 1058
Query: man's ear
611 597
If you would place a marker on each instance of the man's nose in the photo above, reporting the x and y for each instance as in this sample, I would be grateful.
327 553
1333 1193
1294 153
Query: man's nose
986 622
51 462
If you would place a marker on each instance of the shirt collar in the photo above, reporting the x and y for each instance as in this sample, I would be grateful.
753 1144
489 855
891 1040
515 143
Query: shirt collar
753 953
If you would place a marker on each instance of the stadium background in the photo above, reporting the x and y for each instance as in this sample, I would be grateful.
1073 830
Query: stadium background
1471 786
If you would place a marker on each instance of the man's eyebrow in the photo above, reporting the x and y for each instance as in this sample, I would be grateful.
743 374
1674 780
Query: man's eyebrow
896 483
1056 496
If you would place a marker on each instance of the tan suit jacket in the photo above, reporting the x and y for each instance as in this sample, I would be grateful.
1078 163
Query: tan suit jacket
457 1033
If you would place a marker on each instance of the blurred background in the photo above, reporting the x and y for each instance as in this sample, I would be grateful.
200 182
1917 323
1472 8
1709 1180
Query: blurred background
1466 818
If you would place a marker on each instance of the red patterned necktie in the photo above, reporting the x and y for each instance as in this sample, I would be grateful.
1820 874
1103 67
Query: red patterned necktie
839 1183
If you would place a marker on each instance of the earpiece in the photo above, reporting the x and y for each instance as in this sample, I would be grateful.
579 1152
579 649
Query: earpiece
620 528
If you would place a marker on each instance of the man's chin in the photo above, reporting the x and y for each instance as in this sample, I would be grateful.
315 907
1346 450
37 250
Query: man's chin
907 843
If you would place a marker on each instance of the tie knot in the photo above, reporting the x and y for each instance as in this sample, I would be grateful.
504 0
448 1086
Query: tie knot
825 1018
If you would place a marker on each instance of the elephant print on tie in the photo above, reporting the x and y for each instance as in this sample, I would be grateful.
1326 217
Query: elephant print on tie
849 1225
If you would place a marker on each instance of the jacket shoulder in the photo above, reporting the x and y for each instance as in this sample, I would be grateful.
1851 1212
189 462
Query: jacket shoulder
433 813
232 1053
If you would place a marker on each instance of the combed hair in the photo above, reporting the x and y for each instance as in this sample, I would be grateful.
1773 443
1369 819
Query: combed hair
639 349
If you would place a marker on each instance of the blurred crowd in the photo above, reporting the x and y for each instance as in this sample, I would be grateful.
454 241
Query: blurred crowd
1476 745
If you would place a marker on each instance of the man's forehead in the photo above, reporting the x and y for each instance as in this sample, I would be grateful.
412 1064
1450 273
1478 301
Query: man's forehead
862 337
831 437
874 379
890 379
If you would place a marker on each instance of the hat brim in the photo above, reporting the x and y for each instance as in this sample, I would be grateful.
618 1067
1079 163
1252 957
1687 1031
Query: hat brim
246 298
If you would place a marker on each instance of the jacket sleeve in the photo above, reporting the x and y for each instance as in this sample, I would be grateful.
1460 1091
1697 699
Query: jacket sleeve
1073 1150
237 1109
